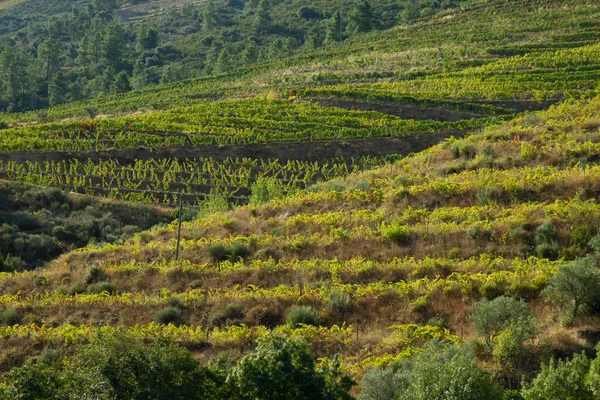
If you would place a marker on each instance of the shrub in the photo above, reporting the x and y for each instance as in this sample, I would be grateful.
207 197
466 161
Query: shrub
238 251
545 233
577 283
560 380
169 315
75 288
302 315
546 250
581 236
102 287
10 316
218 252
339 303
386 384
438 372
283 368
400 234
94 274
489 318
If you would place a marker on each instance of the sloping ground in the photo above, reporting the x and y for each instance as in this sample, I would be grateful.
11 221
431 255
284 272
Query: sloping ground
408 247
541 51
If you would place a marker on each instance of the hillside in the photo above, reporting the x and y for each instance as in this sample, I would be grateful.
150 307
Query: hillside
421 196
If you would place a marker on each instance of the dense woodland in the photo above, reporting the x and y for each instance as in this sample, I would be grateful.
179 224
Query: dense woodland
83 49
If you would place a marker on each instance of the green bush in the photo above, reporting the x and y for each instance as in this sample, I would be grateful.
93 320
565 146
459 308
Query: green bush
302 315
401 234
438 372
581 236
545 233
94 274
75 288
283 369
339 303
574 285
170 315
218 252
561 380
489 318
10 316
238 251
102 287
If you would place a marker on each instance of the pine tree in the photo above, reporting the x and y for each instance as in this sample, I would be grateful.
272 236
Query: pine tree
57 89
113 45
224 62
48 57
262 18
121 83
147 38
362 18
332 28
250 53
210 15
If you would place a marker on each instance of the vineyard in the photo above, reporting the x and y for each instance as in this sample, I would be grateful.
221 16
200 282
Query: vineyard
368 199
163 181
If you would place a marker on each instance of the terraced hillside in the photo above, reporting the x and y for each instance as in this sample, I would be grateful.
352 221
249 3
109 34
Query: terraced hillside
376 200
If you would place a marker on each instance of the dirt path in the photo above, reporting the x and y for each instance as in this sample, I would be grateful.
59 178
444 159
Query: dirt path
404 111
285 150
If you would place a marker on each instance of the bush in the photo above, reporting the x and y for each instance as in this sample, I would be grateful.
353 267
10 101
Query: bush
94 274
561 380
218 252
302 315
10 316
75 288
339 303
238 251
387 384
545 233
489 318
283 369
438 372
102 287
170 315
581 236
577 283
401 234
546 250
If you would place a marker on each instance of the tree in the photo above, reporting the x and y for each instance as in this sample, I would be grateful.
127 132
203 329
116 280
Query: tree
250 53
561 380
489 318
224 62
58 89
118 366
48 55
362 18
262 18
211 16
113 45
438 372
282 369
409 14
146 39
121 83
332 28
577 283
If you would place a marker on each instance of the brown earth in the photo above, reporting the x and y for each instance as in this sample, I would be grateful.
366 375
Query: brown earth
284 150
